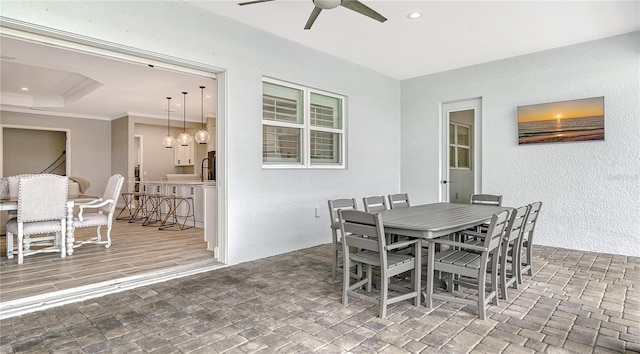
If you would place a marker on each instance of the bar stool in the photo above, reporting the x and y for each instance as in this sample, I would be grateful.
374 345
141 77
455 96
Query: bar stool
153 205
176 214
128 198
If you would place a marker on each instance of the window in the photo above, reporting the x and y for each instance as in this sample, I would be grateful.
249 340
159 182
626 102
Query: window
301 127
459 146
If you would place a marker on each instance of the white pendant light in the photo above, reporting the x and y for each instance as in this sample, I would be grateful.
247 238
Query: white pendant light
184 139
202 136
169 141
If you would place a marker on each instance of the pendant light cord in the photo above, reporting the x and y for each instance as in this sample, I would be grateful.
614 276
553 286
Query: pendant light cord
168 115
184 112
202 106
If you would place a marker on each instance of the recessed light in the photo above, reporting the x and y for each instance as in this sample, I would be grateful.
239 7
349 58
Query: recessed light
24 88
207 96
414 15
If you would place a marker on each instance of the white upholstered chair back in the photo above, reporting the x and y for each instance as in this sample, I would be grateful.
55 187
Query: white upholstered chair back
42 197
112 191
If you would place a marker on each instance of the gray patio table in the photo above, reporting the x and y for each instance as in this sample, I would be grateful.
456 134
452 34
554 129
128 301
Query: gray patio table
435 220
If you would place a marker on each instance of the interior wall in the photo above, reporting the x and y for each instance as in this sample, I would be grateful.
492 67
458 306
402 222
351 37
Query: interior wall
90 144
31 150
589 190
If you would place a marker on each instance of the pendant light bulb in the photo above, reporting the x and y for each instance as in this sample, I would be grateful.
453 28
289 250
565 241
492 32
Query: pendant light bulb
168 141
202 136
184 139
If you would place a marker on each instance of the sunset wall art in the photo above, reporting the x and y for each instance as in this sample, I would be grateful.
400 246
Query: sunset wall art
565 121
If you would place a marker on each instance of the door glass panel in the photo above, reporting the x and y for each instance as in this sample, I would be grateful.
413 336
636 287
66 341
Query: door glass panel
463 157
463 135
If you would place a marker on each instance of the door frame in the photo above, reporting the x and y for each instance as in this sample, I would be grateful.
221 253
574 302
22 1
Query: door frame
447 107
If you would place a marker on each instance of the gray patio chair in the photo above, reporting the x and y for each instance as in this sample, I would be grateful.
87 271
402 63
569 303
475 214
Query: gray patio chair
363 243
42 210
526 242
400 200
508 270
472 261
336 245
103 215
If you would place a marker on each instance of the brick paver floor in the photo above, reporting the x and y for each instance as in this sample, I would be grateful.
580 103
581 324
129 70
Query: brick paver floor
576 302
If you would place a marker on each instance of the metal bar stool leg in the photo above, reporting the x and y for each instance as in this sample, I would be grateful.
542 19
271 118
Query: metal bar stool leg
128 201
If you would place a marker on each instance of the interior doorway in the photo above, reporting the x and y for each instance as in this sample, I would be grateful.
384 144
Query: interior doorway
34 150
461 158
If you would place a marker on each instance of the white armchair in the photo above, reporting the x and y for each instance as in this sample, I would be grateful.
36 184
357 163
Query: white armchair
103 216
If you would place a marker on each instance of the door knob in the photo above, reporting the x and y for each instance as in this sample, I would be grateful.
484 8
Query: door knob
445 182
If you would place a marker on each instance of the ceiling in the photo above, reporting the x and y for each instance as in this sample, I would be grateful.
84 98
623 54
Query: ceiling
74 84
449 35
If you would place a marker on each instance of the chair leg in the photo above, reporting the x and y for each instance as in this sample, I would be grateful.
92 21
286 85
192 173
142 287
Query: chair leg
481 294
503 275
9 245
384 294
346 280
20 249
334 252
108 244
529 258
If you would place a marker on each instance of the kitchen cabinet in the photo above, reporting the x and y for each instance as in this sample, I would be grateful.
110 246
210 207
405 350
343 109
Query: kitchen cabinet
184 155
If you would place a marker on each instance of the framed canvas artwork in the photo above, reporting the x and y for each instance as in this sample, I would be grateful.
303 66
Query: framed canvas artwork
564 121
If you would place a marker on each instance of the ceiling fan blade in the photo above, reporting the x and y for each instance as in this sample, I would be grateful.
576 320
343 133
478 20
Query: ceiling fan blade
359 7
312 18
253 2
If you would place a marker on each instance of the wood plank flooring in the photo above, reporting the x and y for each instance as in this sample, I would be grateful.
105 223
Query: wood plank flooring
135 250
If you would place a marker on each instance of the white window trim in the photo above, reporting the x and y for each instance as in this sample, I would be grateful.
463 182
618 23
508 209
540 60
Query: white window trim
306 127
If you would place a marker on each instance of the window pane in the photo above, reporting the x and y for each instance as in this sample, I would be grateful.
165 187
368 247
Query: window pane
452 156
281 103
325 147
326 111
463 135
463 157
280 144
452 134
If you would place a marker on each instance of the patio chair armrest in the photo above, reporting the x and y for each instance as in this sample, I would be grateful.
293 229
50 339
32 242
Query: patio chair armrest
472 233
467 246
402 244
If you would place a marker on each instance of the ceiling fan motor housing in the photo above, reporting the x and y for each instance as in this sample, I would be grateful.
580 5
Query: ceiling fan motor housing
327 4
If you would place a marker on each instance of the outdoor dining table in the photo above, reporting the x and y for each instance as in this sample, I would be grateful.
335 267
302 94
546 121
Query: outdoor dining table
430 221
12 204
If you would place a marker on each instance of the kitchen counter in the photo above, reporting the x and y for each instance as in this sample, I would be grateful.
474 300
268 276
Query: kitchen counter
180 182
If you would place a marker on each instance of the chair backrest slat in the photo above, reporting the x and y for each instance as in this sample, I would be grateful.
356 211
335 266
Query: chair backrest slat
362 230
340 204
496 229
486 199
516 223
400 200
375 204
532 217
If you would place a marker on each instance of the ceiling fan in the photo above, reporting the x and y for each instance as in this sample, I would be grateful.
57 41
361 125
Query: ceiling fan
320 5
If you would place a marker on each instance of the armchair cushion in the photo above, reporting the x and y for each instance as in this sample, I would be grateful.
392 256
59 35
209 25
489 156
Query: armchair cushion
91 219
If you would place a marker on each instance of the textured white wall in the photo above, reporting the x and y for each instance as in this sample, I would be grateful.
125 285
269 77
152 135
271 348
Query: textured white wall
590 190
269 211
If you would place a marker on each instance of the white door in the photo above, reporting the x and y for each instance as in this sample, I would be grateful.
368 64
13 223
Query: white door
461 153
